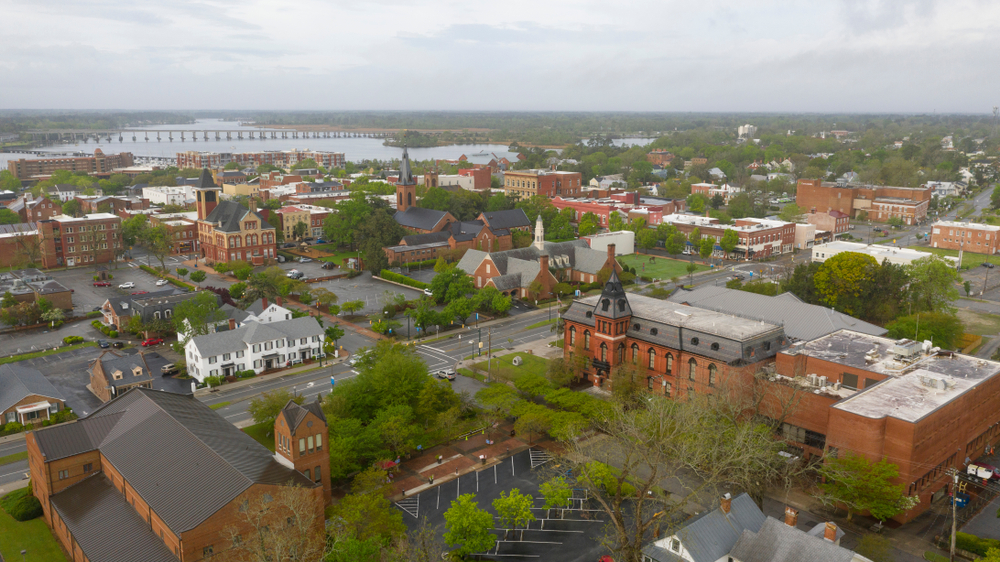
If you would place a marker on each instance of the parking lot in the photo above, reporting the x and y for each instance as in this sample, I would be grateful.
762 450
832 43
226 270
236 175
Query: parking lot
576 536
87 297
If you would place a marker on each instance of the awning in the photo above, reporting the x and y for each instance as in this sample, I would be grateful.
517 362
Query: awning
27 409
275 354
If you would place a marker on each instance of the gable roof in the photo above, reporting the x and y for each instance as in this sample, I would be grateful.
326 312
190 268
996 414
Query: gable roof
227 341
419 218
579 256
711 536
180 456
228 215
513 218
778 542
801 321
205 180
20 381
116 302
111 362
294 413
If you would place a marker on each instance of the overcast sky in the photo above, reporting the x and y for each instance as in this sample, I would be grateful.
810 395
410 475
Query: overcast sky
657 55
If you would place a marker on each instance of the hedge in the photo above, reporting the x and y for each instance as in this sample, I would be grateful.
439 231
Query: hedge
974 544
180 284
402 279
70 340
22 505
106 330
287 256
249 373
94 314
150 270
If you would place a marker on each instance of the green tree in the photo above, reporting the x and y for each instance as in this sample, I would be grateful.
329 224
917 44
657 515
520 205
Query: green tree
351 307
514 508
943 329
557 492
740 206
791 213
451 284
236 290
182 272
718 201
9 217
158 241
933 284
300 230
366 513
198 276
646 239
468 526
232 166
71 208
676 243
264 409
132 229
857 484
196 316
707 247
435 397
729 241
458 309
334 333
696 203
839 279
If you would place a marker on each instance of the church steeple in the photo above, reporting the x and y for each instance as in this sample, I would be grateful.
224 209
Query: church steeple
539 234
613 303
405 172
406 187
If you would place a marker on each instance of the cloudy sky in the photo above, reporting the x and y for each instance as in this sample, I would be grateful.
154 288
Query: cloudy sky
656 55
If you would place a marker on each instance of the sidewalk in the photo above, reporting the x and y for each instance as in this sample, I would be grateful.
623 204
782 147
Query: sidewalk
230 387
335 319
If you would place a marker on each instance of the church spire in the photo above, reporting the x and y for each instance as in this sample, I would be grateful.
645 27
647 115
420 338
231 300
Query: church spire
539 234
405 173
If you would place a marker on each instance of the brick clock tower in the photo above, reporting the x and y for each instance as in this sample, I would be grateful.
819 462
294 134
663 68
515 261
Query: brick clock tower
300 435
406 187
206 194
612 317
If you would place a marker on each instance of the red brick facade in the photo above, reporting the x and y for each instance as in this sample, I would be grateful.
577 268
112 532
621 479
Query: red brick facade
523 184
99 164
970 237
879 203
69 242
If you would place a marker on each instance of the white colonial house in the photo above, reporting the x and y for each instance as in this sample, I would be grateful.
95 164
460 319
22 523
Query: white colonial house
260 311
255 346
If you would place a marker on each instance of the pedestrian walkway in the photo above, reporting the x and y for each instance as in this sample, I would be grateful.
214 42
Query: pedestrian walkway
335 319
229 387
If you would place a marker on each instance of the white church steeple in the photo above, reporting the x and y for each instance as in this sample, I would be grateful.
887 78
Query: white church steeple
539 234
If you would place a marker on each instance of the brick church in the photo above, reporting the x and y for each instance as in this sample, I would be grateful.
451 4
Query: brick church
228 231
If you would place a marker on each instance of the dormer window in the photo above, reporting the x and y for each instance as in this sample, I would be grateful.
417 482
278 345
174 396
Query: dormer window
621 305
636 327
137 372
117 375
590 314
675 545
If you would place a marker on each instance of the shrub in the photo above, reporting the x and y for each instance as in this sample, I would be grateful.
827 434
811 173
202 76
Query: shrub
22 505
12 428
974 544
402 279
249 373
106 330
70 340
112 333
94 314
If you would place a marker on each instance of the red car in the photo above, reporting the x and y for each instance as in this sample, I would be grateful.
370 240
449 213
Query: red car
140 292
101 284
152 341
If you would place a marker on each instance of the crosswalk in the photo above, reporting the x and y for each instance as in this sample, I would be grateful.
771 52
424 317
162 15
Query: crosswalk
538 457
410 505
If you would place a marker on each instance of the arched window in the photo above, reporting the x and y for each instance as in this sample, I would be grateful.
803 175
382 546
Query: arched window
399 199
712 370
621 353
604 352
652 358
692 369
168 313
409 199
572 335
667 388
586 340
670 363
635 353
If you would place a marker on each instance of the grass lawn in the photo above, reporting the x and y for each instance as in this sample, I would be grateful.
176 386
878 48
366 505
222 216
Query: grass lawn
22 357
531 364
14 458
220 405
542 323
560 343
661 268
33 536
968 258
471 375
979 323
262 433
474 355
338 256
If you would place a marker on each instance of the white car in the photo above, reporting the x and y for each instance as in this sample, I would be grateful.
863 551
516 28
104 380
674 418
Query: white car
292 273
161 282
428 293
127 285
304 260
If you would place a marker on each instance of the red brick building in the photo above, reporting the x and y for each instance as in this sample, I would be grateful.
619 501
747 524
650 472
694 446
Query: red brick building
67 241
659 157
280 158
879 203
99 164
758 238
491 232
628 203
922 409
31 208
183 229
523 184
115 205
178 481
833 222
228 231
970 237
482 177
677 349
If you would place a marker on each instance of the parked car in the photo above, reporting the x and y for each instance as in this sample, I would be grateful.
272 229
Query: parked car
987 265
329 265
446 374
168 369
289 245
98 308
103 344
984 471
305 260
102 284
292 273
140 293
297 275
320 241
127 285
152 341
428 293
118 345
161 282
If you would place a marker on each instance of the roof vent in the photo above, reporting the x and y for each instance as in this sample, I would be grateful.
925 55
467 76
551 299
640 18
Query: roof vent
124 305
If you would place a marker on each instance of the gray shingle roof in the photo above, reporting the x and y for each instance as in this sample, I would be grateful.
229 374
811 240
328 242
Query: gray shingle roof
205 179
19 381
580 257
116 302
777 542
112 362
228 341
181 457
105 526
295 413
713 535
229 214
419 218
426 238
506 219
801 321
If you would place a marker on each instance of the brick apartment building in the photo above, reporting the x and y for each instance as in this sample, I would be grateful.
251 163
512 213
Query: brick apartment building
523 184
99 164
879 203
17 244
678 350
288 217
628 202
923 409
31 208
71 241
659 157
26 396
970 237
758 238
280 158
161 477
481 177
183 227
228 231
113 374
115 205
490 232
833 222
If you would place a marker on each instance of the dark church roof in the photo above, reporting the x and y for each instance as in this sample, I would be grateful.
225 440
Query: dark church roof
513 218
228 215
613 302
419 218
205 179
405 173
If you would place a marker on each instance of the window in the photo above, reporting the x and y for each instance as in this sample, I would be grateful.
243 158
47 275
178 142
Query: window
207 551
694 341
256 348
239 354
849 380
621 353
712 371
226 356
63 474
572 335
604 352
586 339
692 369
317 473
651 358
212 360
635 353
319 441
302 446
310 442
667 387
670 363
675 545
308 474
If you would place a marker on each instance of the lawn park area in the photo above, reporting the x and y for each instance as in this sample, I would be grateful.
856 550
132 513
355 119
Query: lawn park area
33 536
504 365
968 258
661 268
979 323
262 433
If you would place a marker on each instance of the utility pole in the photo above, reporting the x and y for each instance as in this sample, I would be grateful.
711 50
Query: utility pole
954 512
489 352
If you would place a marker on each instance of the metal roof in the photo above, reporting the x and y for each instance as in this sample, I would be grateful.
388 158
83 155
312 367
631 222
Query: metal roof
105 526
506 219
18 382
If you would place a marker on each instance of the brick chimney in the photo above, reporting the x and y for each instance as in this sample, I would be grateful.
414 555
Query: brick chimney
830 532
727 503
263 303
543 262
611 251
278 300
253 205
791 517
232 324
